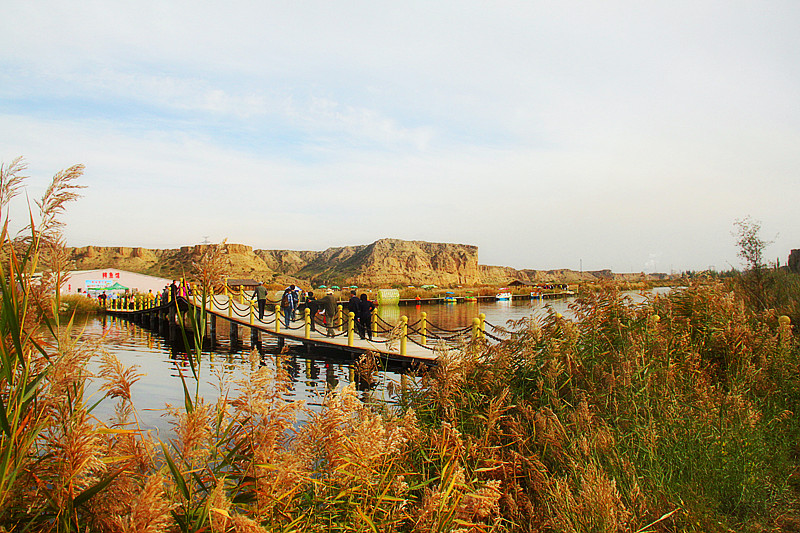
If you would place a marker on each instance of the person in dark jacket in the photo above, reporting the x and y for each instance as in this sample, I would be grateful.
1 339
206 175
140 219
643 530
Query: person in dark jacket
365 320
354 306
313 307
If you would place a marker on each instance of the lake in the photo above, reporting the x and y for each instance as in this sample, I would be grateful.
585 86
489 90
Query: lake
312 374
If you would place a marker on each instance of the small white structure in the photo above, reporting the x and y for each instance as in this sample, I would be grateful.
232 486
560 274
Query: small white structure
112 281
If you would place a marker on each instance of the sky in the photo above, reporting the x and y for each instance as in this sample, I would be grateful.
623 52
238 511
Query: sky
626 135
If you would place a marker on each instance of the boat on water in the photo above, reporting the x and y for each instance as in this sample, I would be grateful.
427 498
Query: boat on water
503 294
449 298
470 297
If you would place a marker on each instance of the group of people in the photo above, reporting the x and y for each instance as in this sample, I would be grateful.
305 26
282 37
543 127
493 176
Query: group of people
291 299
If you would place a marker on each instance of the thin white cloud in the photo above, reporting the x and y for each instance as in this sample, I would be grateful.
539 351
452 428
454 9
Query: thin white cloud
543 133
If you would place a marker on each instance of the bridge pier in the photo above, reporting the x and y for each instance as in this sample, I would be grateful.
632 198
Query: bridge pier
173 323
234 332
164 323
253 336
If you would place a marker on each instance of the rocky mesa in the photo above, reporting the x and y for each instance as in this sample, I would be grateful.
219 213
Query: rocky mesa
386 262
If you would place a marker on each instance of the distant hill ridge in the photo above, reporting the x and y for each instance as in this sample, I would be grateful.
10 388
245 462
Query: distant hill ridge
385 262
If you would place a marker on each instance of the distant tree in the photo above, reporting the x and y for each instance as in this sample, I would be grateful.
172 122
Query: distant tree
755 282
751 245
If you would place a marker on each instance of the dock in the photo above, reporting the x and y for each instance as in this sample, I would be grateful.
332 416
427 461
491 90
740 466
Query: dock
404 343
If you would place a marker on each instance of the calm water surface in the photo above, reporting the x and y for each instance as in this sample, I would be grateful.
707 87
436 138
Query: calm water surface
312 374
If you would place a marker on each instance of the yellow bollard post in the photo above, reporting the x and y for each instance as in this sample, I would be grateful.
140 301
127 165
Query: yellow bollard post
351 318
476 328
241 294
403 334
230 303
277 318
784 320
252 313
424 328
482 318
307 318
374 323
337 320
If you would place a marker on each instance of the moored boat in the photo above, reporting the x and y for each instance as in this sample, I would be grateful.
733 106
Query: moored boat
503 294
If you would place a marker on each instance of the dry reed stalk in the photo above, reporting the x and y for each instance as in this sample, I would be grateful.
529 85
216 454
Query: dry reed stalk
219 507
211 267
262 422
118 378
11 181
149 510
75 461
193 434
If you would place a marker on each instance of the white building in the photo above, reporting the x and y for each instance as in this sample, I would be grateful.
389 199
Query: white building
111 280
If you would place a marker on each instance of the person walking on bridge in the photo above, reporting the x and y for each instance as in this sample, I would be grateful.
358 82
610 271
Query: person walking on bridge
313 306
289 304
365 317
354 306
260 295
328 304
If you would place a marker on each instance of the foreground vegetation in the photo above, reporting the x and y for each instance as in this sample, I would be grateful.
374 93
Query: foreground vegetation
673 415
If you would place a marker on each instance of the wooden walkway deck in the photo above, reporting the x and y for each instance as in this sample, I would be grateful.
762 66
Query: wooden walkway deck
239 316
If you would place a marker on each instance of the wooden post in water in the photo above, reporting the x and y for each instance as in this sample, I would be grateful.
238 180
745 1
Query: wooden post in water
403 334
234 331
424 329
351 318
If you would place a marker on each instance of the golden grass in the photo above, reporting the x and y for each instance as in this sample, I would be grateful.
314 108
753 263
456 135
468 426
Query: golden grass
675 415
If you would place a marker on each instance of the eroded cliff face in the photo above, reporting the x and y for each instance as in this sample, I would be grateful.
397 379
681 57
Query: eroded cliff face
383 263
239 260
392 261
